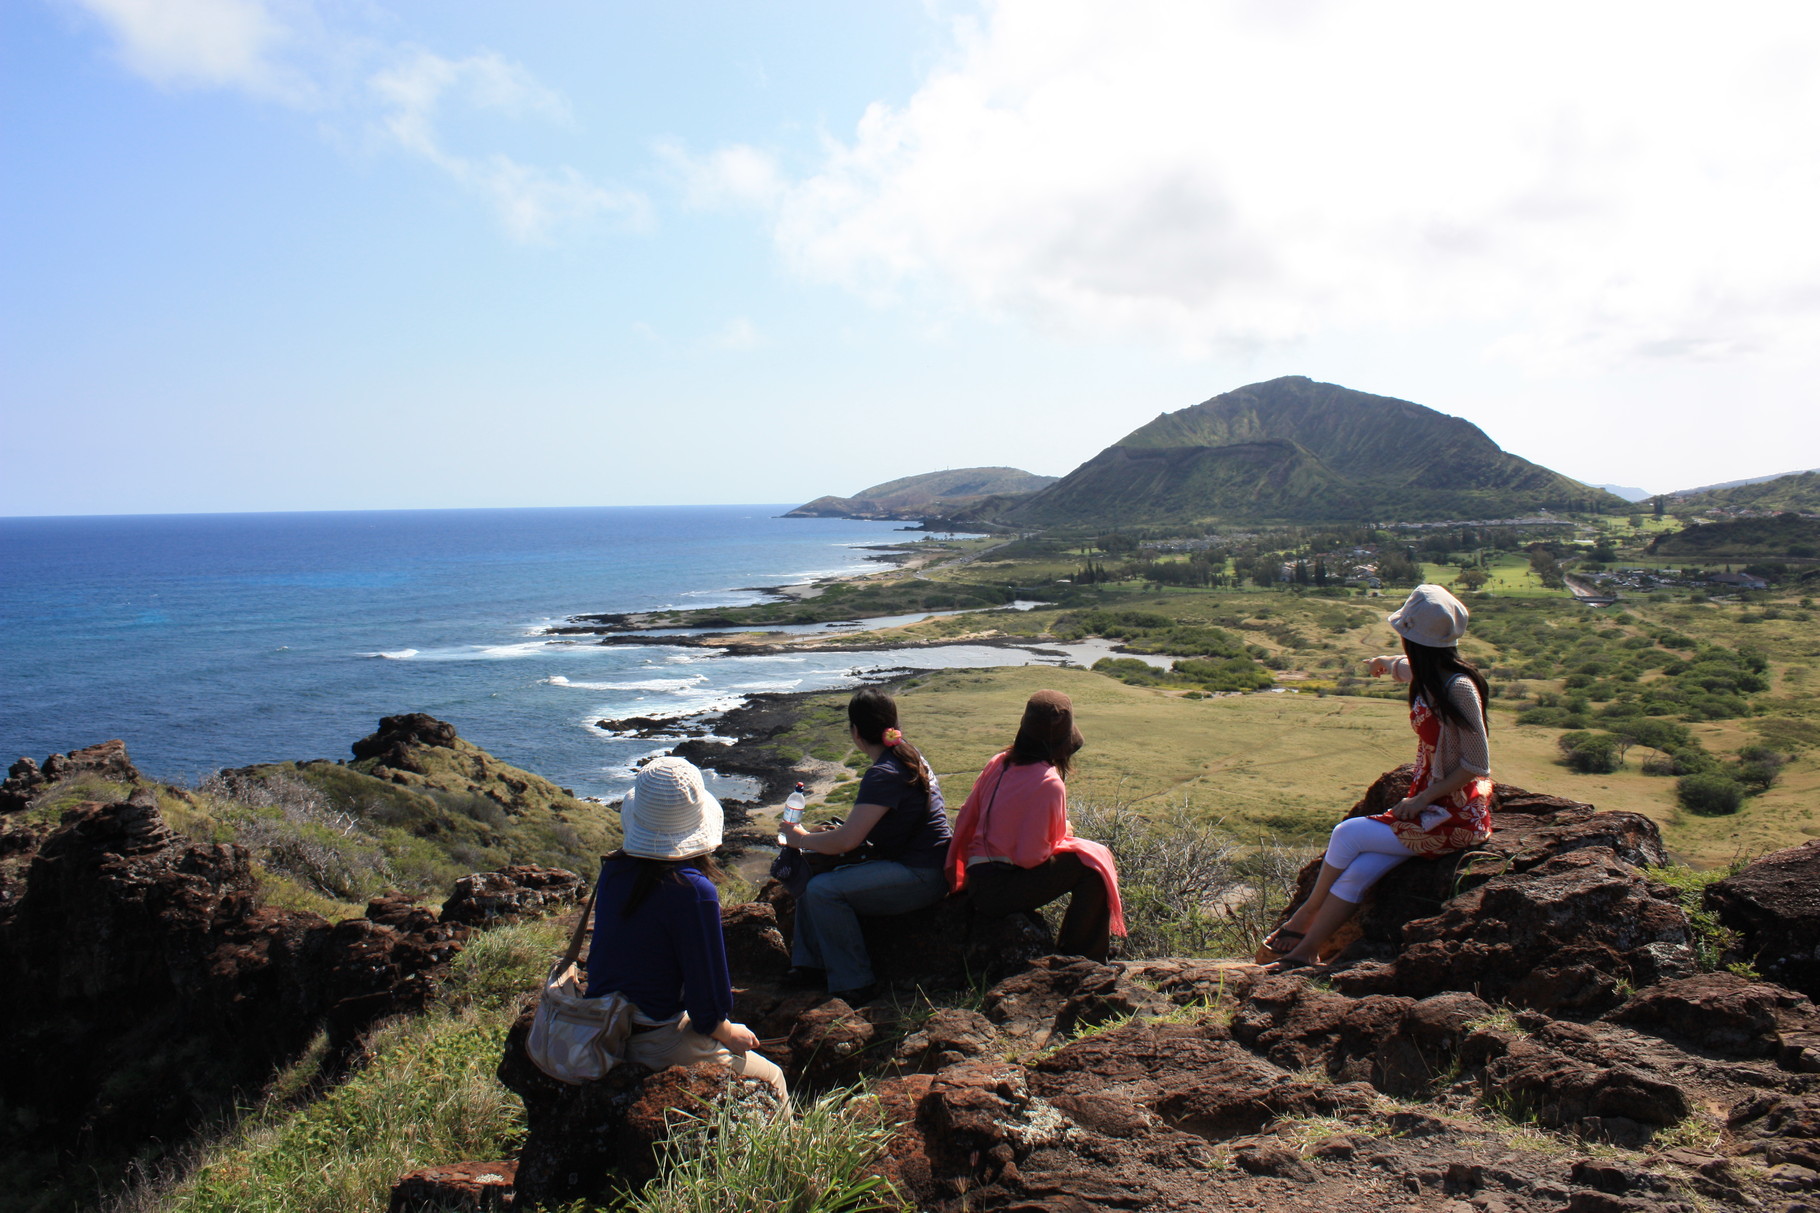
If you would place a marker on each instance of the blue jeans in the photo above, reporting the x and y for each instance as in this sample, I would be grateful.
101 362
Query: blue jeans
827 915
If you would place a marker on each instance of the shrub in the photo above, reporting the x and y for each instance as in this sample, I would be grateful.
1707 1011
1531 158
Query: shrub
1709 794
1189 887
1590 753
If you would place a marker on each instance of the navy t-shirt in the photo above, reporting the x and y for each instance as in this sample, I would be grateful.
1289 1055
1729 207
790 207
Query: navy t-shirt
669 956
914 830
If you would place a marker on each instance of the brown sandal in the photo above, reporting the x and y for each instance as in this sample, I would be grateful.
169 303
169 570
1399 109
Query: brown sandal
1281 942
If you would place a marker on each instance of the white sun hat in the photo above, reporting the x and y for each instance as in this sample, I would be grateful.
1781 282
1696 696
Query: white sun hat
668 814
1430 616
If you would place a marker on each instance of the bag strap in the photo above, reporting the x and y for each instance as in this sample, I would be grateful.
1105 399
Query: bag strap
986 813
573 952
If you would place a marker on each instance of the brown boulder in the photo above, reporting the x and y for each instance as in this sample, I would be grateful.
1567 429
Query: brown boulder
458 1187
756 950
1720 1012
949 1036
1529 829
1564 1091
1774 904
830 1044
521 891
104 760
583 1139
1564 935
396 736
946 946
150 989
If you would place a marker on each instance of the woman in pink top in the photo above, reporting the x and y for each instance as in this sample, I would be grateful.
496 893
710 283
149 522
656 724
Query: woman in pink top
1013 848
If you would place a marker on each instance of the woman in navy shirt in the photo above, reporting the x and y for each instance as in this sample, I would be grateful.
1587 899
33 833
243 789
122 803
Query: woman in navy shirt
657 936
899 812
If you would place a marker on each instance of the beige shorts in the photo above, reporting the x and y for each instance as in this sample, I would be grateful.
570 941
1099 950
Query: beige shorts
677 1044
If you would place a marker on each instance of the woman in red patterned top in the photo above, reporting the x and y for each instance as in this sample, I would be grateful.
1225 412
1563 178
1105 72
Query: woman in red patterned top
1448 806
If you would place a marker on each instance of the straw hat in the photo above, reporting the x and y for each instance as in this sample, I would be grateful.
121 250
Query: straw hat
1430 616
668 814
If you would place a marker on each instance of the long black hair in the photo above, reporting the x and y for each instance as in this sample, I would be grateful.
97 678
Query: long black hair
652 872
871 712
1431 669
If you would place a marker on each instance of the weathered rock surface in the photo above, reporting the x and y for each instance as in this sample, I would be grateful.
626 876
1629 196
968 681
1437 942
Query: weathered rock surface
1496 1018
486 899
1775 905
456 1188
24 778
149 989
581 1139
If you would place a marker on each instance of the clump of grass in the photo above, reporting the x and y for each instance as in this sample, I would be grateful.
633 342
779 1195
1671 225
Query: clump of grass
738 1156
1713 941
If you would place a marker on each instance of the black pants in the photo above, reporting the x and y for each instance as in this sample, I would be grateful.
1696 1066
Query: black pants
1005 888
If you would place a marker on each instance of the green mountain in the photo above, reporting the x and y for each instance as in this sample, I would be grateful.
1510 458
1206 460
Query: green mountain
1293 450
1798 491
913 498
1777 536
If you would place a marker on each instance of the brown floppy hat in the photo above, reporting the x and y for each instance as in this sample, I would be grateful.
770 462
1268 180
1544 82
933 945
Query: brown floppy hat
1048 726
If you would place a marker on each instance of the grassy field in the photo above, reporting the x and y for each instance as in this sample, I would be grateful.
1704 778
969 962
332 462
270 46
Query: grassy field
1289 764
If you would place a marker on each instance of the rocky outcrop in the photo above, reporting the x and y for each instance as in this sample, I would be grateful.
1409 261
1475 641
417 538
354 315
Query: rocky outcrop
25 779
398 737
488 899
149 989
1774 905
1517 1031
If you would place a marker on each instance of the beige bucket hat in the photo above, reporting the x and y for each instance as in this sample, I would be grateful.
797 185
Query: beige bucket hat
1430 616
668 814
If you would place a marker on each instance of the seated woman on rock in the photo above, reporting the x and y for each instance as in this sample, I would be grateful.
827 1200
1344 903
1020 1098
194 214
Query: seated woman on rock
1448 807
899 813
657 935
1014 848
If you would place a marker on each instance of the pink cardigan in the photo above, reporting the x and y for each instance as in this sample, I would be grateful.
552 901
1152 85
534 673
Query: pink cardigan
1027 823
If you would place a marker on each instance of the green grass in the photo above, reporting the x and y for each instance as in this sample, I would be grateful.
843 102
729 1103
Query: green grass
738 1157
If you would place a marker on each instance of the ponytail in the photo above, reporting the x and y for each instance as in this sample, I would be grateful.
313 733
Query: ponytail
873 715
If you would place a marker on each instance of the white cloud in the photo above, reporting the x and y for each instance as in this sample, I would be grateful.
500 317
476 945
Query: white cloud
739 334
415 91
283 50
1602 184
198 43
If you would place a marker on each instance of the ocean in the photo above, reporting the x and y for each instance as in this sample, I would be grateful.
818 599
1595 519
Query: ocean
207 641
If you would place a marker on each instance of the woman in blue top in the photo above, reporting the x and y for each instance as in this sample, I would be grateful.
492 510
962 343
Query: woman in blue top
657 935
899 812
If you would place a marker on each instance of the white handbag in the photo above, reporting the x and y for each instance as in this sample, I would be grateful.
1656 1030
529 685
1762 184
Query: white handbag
576 1039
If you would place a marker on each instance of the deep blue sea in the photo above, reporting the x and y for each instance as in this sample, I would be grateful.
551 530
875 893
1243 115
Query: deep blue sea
219 640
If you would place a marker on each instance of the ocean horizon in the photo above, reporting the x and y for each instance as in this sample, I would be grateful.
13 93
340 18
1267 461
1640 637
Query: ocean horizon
215 640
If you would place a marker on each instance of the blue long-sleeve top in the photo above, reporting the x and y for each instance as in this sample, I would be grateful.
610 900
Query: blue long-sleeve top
669 956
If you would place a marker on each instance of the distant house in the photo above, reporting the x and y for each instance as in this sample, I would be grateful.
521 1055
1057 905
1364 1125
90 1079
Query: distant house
1743 581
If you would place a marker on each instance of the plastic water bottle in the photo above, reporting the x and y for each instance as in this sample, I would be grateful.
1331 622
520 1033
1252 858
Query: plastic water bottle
793 812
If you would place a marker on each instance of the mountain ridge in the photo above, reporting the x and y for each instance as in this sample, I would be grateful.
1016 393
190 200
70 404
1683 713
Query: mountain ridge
912 498
1295 450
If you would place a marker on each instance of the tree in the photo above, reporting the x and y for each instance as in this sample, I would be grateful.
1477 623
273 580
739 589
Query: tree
1709 794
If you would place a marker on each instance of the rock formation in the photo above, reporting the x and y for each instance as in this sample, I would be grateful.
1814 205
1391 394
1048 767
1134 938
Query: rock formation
149 989
1512 1031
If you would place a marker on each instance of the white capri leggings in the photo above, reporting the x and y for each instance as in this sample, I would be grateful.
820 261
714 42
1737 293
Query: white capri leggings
1363 850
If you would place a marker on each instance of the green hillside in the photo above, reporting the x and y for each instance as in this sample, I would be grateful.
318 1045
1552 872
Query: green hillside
1293 450
1799 492
1782 535
911 498
417 808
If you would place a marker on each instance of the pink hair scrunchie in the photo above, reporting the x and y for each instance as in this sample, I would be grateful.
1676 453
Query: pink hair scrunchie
893 736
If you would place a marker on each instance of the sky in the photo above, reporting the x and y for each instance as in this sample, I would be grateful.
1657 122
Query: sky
374 254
